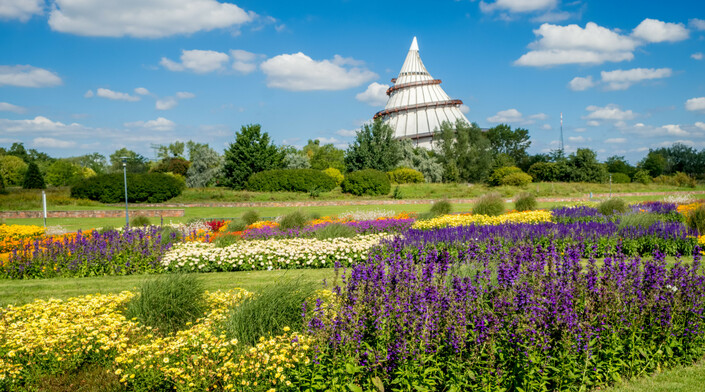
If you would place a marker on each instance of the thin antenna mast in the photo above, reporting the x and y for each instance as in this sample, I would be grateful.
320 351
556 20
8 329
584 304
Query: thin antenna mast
561 132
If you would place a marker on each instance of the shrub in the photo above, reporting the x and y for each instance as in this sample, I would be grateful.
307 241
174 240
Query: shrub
2 186
335 174
696 219
174 165
33 178
250 217
168 302
366 182
109 188
516 179
441 207
397 194
404 175
293 220
642 176
335 230
169 235
678 179
290 180
226 239
612 206
489 204
525 201
499 174
266 313
140 220
236 225
620 178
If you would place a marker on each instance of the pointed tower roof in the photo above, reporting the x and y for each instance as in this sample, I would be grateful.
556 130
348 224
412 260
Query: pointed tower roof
417 104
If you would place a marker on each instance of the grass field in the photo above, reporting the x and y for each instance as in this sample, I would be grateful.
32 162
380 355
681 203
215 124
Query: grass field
678 379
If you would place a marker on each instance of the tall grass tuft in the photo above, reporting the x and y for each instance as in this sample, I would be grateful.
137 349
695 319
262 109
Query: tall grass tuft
441 207
139 221
293 220
266 313
236 225
168 302
613 206
226 239
250 217
489 204
335 230
696 219
525 201
643 219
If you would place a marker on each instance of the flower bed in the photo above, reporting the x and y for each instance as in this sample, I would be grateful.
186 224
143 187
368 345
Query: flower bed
466 219
384 225
269 254
12 236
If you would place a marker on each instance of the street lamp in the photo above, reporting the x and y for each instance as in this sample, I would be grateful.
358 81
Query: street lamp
124 174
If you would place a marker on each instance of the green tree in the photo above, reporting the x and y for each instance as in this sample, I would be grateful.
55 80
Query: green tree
33 178
654 163
296 160
420 159
311 147
63 172
513 143
617 164
374 148
12 169
206 165
328 156
464 151
136 163
173 150
2 185
94 161
584 167
252 152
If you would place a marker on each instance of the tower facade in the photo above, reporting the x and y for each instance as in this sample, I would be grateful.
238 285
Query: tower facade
417 105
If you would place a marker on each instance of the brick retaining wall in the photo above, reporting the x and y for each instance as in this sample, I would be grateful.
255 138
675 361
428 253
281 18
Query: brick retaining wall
90 214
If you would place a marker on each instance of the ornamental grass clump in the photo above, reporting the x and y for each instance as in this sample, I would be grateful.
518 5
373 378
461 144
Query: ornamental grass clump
235 225
269 311
168 302
441 207
293 220
641 219
335 230
613 206
490 204
250 217
525 201
696 219
140 221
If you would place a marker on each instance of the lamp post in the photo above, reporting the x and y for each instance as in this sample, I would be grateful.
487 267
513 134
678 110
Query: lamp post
124 174
610 185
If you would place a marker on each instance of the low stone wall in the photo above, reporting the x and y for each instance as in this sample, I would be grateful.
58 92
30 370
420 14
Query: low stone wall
91 214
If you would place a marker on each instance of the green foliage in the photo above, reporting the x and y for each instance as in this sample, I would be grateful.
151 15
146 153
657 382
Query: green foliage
682 158
397 194
405 175
205 166
525 201
643 219
296 160
696 219
250 217
252 152
620 178
169 235
328 156
93 161
643 177
617 164
236 225
174 165
511 143
293 220
33 178
464 151
335 174
266 313
225 240
517 179
613 206
139 221
374 148
489 204
136 163
550 171
421 159
62 172
335 230
441 207
290 180
499 174
168 302
173 150
12 169
584 167
109 188
654 163
366 182
2 185
678 179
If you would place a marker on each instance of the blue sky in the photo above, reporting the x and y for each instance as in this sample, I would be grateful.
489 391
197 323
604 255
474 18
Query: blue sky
78 76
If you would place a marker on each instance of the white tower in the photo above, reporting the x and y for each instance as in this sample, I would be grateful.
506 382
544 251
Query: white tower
417 104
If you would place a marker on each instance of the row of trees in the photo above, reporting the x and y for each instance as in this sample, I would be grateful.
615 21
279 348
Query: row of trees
462 153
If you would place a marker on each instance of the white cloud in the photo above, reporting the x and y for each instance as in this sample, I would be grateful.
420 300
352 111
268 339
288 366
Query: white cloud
697 24
695 104
652 30
518 6
700 125
299 72
697 56
8 107
115 95
50 142
507 116
375 95
346 132
546 127
88 94
141 91
593 123
37 124
538 116
622 79
198 61
27 76
20 9
160 124
552 17
578 139
243 61
674 130
185 95
465 109
166 103
581 84
144 18
610 112
615 140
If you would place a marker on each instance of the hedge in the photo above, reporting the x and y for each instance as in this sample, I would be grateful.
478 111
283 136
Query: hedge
290 180
366 182
109 188
404 175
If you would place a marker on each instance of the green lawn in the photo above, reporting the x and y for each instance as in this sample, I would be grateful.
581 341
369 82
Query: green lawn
678 379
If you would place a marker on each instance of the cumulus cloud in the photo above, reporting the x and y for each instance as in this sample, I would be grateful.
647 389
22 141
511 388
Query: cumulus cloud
160 124
616 140
20 9
243 61
37 124
145 18
578 139
507 116
375 95
168 103
198 61
695 104
8 107
622 79
674 130
652 30
700 125
610 112
185 95
697 24
27 76
346 132
110 94
50 142
697 56
581 84
299 72
141 91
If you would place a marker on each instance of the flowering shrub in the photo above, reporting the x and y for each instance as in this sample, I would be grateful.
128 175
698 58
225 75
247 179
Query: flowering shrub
12 236
269 254
465 219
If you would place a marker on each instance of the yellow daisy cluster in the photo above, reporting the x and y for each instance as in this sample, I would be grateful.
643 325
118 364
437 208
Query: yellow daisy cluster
261 224
537 216
56 335
686 209
13 235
